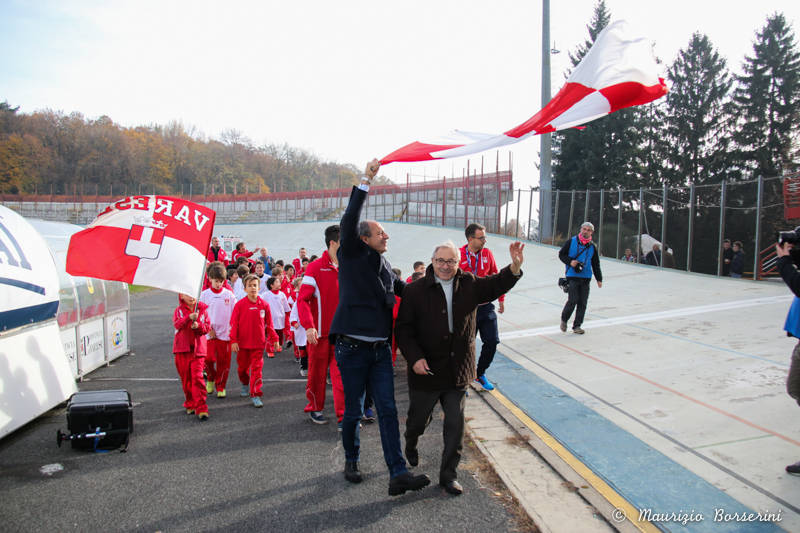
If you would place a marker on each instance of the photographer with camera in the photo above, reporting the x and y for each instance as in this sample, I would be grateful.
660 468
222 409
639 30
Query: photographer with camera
788 260
582 259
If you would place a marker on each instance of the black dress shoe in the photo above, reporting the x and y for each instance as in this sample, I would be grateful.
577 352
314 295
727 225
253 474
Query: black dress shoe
452 487
351 472
407 481
412 456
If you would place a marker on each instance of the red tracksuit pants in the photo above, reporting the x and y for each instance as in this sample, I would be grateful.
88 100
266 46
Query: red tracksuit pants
320 358
250 363
190 370
218 362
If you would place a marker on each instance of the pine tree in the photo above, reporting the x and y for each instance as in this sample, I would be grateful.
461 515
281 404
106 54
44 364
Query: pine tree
767 100
695 116
604 154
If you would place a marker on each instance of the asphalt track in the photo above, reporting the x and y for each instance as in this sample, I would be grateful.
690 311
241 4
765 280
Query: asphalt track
245 469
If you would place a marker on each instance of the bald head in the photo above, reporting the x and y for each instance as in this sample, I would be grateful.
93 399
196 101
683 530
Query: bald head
373 235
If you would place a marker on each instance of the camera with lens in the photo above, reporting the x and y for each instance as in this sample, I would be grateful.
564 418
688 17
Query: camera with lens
791 237
578 267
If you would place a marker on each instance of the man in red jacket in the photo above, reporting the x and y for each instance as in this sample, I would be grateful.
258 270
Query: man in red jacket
478 259
297 262
317 301
251 330
189 346
215 253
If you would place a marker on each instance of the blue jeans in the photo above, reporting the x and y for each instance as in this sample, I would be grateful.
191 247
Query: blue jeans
486 324
360 365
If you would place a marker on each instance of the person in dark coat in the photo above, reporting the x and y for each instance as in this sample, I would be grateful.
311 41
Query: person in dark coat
727 257
737 263
361 332
435 330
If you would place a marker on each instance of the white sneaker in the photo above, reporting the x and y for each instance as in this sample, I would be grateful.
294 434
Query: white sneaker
303 373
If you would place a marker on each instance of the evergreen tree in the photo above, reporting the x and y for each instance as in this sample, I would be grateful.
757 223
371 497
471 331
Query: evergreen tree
767 100
604 153
695 116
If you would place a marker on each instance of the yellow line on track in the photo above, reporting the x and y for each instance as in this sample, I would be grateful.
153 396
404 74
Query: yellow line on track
605 490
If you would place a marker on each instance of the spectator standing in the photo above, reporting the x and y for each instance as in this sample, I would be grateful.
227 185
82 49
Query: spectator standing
727 257
582 261
737 263
478 259
215 253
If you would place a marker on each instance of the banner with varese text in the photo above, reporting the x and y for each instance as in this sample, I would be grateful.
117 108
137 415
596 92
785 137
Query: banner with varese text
157 241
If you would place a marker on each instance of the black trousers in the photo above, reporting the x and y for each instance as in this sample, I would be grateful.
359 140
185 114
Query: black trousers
578 295
420 412
486 324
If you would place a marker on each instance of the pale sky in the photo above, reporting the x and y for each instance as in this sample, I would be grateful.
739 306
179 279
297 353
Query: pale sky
347 81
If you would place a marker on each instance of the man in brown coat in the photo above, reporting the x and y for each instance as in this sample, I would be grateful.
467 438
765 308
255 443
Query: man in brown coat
435 330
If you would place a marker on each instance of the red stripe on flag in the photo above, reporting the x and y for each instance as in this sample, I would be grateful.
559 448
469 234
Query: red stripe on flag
631 93
99 252
136 232
568 96
416 151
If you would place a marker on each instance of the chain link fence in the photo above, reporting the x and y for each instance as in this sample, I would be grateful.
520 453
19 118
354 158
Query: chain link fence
690 222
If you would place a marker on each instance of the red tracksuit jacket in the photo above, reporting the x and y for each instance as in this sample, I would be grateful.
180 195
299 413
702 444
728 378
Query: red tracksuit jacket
251 324
188 339
221 255
319 295
483 265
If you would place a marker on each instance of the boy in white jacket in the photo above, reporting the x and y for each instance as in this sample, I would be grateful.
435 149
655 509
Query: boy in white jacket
220 303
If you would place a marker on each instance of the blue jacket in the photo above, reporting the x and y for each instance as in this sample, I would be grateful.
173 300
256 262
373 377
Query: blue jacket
587 255
367 285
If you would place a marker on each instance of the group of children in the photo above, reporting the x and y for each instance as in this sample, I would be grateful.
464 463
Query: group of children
241 310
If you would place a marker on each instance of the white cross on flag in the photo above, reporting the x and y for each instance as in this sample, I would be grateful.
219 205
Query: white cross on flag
144 242
156 241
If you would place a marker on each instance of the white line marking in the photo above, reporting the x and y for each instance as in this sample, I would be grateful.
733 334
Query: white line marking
649 317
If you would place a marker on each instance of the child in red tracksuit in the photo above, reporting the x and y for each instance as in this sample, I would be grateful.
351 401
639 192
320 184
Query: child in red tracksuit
189 346
251 330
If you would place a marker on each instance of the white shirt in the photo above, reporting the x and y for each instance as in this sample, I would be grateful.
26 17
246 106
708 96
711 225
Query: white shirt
220 309
238 290
278 306
299 331
447 287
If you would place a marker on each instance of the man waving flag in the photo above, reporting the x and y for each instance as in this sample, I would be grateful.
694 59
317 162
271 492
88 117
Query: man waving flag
156 241
619 71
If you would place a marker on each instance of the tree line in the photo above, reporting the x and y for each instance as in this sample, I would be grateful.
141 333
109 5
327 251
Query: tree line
713 125
53 152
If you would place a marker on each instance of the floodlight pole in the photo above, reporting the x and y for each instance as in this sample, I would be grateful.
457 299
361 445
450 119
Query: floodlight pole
545 169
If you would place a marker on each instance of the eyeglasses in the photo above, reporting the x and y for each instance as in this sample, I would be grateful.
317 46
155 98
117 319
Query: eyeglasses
442 262
482 239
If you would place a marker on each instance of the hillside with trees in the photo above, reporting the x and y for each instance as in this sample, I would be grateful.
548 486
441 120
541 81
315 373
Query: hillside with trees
53 152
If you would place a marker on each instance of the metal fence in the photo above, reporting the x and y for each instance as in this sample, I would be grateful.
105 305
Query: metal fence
440 202
691 221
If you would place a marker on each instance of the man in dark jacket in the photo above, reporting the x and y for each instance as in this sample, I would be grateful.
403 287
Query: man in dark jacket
787 266
580 256
361 332
436 332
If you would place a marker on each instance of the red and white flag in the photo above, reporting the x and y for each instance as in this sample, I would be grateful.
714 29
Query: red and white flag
156 241
618 71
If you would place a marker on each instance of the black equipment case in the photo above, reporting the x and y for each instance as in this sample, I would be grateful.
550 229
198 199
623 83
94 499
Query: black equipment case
107 412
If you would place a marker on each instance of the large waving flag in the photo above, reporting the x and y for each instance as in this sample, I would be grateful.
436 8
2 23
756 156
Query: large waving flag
156 241
618 71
